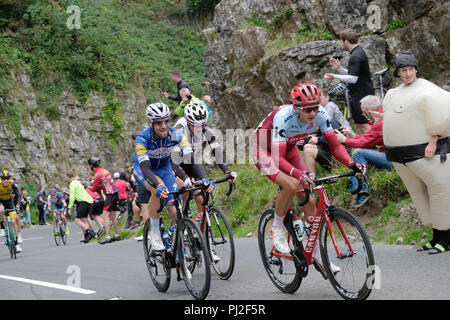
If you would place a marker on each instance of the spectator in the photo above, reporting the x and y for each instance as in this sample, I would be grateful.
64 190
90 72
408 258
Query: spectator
96 210
175 76
315 148
25 204
366 144
41 203
123 188
187 98
357 75
416 134
78 195
104 182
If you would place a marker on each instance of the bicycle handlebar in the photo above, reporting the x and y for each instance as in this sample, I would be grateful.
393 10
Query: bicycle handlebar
198 185
330 180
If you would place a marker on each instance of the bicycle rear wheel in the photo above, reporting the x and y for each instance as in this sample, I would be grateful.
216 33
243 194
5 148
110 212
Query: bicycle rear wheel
355 279
158 263
56 233
194 259
280 268
219 239
62 233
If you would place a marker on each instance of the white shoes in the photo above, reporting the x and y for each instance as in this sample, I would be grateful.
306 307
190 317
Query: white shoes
156 242
2 232
215 257
19 239
279 240
334 268
18 248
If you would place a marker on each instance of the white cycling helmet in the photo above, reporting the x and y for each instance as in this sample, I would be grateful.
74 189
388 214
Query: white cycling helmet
157 110
337 89
196 113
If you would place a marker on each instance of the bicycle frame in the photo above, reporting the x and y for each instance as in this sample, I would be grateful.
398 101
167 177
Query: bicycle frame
320 217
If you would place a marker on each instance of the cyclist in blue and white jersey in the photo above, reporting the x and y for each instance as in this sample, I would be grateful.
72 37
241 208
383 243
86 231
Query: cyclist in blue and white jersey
57 201
153 165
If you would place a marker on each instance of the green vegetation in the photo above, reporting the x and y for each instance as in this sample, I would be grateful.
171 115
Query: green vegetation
120 47
396 24
201 8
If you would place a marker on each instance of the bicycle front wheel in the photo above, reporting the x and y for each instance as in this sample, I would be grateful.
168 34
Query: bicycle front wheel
158 263
12 241
356 263
281 268
194 259
219 240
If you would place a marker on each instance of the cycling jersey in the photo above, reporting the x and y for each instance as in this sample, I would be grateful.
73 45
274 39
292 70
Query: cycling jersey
7 193
56 202
152 153
276 138
103 181
197 141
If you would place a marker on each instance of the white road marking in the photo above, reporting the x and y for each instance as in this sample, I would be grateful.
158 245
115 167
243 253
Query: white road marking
49 284
32 238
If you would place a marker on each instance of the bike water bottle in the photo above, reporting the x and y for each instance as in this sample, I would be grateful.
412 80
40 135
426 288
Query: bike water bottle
298 227
166 239
308 225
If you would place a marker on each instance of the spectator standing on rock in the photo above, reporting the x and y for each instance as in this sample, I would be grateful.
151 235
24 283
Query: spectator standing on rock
357 75
175 76
416 130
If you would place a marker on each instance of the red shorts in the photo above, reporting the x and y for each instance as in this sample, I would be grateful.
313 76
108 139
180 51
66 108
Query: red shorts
266 163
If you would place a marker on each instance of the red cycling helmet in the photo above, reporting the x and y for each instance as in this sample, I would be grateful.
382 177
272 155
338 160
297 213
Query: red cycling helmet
305 93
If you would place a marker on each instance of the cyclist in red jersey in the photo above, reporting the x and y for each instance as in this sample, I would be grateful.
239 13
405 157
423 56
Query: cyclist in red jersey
276 155
103 181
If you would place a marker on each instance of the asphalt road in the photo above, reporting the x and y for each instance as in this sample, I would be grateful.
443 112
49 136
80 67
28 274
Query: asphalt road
92 271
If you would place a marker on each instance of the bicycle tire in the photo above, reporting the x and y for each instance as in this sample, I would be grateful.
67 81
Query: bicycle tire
220 241
56 236
11 241
355 279
194 259
62 233
158 263
281 270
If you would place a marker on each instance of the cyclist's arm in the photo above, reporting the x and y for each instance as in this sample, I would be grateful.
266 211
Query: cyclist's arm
179 172
336 148
217 151
148 173
283 164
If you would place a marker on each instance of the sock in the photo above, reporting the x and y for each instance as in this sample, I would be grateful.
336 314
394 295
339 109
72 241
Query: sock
444 238
435 237
155 225
277 221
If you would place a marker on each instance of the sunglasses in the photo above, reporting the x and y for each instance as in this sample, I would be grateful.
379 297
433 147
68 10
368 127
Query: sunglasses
5 178
310 109
197 125
160 123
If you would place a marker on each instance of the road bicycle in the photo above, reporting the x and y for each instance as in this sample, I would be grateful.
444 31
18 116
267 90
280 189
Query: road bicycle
383 80
10 235
217 231
188 252
59 228
342 240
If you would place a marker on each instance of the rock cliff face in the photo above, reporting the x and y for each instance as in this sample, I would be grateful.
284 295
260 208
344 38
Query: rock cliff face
257 53
44 150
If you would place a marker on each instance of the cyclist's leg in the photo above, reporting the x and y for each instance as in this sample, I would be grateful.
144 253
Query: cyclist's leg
310 155
168 178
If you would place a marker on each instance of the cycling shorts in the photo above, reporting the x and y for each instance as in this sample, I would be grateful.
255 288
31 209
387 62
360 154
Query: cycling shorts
164 173
83 209
111 202
96 208
143 195
9 204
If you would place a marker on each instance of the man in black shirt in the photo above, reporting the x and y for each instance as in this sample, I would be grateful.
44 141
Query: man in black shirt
357 75
175 76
